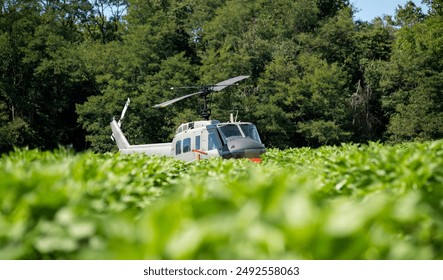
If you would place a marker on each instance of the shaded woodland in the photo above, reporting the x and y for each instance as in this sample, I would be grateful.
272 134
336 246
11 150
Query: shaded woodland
318 76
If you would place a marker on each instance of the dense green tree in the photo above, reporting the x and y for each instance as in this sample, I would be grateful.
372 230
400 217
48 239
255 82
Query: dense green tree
322 92
329 8
435 7
408 15
262 38
374 42
414 81
17 22
243 35
104 20
335 40
147 60
317 75
272 109
42 75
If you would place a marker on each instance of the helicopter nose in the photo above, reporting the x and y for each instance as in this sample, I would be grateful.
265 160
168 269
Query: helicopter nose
245 148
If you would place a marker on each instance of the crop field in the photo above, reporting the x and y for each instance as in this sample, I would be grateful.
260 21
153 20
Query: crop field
370 201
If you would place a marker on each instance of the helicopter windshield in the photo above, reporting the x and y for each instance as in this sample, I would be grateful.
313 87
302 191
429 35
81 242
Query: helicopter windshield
230 130
243 130
249 130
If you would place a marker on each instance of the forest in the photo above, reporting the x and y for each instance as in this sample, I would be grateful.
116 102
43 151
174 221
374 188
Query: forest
318 76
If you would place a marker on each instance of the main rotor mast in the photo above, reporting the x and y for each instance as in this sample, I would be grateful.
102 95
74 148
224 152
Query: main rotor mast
205 112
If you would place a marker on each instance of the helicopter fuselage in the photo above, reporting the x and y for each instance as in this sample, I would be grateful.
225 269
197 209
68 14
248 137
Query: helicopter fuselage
201 140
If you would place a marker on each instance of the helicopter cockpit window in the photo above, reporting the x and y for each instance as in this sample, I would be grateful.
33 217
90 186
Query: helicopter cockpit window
249 130
229 130
178 147
186 145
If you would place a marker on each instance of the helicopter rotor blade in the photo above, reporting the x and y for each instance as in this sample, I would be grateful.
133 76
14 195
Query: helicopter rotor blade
169 102
228 82
206 90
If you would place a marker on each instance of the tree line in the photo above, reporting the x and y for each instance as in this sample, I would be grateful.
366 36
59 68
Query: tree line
318 76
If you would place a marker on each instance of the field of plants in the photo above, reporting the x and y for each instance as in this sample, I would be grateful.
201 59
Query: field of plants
349 202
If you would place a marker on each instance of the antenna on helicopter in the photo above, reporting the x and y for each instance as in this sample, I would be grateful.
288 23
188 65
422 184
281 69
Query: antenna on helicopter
204 92
119 123
123 112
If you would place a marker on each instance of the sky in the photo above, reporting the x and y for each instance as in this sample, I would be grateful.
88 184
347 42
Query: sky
369 9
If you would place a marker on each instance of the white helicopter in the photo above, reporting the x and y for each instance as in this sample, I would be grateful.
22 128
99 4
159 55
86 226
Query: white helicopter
200 139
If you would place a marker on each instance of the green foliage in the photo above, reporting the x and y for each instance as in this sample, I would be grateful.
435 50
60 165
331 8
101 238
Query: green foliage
318 75
349 202
411 85
335 39
42 77
435 6
51 202
14 133
409 15
322 132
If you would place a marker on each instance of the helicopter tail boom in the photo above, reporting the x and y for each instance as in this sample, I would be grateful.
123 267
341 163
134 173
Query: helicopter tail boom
159 149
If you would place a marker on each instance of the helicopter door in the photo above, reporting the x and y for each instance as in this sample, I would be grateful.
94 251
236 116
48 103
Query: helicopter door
178 147
183 150
214 143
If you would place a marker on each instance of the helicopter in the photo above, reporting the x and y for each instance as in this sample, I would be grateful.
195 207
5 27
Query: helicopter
200 139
